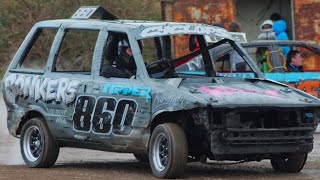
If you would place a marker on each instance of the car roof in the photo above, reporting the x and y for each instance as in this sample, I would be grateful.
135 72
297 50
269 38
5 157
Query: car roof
139 28
133 24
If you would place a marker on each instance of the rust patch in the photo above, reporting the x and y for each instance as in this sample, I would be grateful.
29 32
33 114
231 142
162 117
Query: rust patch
307 20
205 11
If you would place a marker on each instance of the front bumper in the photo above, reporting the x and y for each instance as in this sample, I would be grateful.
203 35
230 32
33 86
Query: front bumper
262 141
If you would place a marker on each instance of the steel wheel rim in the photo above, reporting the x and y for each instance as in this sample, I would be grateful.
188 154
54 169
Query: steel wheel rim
32 143
161 152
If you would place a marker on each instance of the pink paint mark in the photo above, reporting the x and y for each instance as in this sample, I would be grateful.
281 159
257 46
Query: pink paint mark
223 91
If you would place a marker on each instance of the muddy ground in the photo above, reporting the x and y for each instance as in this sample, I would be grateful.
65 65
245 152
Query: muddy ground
89 164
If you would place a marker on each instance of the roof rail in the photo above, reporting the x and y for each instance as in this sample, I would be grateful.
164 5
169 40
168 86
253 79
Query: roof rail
86 12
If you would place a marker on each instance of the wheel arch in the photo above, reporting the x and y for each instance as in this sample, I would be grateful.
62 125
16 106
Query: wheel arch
163 116
194 123
29 115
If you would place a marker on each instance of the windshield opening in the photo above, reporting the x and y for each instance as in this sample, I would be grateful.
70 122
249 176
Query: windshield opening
194 58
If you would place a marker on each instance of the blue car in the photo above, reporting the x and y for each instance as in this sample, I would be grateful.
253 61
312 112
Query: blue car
270 60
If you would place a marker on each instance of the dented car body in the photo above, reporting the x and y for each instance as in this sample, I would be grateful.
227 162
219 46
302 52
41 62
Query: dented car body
160 114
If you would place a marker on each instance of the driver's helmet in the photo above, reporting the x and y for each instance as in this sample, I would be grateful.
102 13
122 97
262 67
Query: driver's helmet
124 59
123 45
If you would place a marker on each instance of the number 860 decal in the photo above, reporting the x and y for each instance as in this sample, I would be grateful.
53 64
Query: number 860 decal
103 115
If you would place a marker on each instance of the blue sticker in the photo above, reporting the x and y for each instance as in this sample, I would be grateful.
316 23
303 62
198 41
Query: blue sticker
293 76
137 91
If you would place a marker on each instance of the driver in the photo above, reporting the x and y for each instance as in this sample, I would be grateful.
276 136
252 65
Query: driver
124 65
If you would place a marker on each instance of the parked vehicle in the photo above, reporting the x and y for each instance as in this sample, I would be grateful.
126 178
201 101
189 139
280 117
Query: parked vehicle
272 63
308 81
57 96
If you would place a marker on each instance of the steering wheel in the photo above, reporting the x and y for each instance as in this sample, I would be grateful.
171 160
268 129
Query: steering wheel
159 68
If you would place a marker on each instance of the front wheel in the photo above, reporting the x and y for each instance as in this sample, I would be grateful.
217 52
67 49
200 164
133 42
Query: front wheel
168 151
292 163
37 146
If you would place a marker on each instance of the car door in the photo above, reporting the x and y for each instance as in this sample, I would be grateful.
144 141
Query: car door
121 106
71 72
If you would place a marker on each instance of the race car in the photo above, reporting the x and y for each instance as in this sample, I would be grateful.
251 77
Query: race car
62 89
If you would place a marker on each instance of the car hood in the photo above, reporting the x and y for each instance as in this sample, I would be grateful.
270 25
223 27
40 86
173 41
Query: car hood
233 93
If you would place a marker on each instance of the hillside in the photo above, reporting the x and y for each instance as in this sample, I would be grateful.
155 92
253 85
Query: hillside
18 16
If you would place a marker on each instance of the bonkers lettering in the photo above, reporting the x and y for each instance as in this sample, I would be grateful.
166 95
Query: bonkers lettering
139 91
183 29
37 88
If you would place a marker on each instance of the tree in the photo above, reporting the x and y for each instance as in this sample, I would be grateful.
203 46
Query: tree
18 16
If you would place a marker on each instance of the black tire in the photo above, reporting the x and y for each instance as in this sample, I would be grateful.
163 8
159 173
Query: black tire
37 146
142 157
292 163
168 151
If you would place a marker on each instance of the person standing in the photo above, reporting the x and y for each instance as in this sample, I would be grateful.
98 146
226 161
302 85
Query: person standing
234 27
280 27
275 17
266 30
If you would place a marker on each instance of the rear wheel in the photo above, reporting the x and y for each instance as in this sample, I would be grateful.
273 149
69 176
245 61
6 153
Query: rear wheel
168 151
37 146
292 163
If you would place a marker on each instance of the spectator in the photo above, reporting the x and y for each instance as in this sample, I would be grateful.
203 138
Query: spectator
294 61
266 31
234 27
280 27
275 17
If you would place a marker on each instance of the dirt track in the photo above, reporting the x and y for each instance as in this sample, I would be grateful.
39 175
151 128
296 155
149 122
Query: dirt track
127 168
88 164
